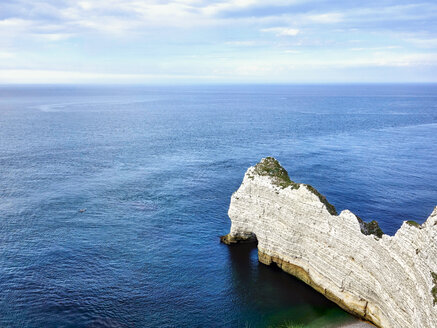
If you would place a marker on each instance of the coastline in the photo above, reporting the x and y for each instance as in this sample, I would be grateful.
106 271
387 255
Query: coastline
358 309
297 230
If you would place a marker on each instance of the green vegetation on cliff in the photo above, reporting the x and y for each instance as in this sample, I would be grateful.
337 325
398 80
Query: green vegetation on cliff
331 209
414 224
434 289
370 228
269 166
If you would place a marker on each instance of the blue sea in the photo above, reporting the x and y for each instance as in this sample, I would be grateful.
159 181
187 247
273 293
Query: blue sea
113 198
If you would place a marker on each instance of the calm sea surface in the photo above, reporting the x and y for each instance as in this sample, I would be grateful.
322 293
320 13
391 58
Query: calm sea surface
155 168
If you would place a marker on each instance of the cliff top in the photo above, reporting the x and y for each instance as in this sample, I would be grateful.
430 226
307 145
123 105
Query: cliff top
270 167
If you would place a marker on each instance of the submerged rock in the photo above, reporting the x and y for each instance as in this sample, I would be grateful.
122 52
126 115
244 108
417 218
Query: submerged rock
390 281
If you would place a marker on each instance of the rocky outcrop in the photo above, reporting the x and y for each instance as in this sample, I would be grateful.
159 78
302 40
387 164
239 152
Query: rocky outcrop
390 281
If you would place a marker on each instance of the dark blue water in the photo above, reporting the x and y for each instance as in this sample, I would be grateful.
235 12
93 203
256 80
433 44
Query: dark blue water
155 167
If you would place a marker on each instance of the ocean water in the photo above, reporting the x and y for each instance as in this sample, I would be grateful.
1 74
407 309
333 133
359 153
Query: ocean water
155 168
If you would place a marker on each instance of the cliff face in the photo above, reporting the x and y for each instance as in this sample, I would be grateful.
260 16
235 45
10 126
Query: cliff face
390 281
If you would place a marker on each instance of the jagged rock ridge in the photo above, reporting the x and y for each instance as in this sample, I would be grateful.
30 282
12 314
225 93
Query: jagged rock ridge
390 281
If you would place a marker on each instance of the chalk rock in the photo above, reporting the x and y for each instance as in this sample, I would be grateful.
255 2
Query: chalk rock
390 281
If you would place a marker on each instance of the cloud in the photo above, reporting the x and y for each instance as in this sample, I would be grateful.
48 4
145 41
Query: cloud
6 55
53 37
281 31
218 7
326 18
375 59
166 37
135 16
11 76
241 43
374 48
290 51
424 43
238 5
14 24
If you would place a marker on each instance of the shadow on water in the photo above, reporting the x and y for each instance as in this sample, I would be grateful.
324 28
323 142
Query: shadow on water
269 297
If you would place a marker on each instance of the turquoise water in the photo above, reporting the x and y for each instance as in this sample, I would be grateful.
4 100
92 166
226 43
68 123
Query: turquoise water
155 167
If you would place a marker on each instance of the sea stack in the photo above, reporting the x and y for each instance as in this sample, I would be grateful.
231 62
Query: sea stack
390 281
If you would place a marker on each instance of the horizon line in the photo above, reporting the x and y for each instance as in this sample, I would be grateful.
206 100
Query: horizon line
226 83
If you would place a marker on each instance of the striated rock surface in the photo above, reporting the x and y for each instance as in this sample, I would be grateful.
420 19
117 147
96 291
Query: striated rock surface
390 281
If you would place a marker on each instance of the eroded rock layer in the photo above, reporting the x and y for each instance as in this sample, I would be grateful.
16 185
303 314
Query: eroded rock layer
390 281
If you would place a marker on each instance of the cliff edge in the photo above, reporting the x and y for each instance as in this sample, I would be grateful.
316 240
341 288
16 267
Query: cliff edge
390 281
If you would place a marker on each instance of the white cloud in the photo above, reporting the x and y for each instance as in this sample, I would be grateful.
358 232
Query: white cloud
53 37
375 59
290 51
15 25
49 76
281 31
374 48
326 18
424 43
86 5
216 8
142 35
229 5
254 69
241 43
6 55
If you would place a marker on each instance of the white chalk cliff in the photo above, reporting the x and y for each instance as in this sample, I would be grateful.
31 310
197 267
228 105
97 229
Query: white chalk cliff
390 281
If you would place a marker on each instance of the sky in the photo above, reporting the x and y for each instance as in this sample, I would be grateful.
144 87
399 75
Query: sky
217 41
